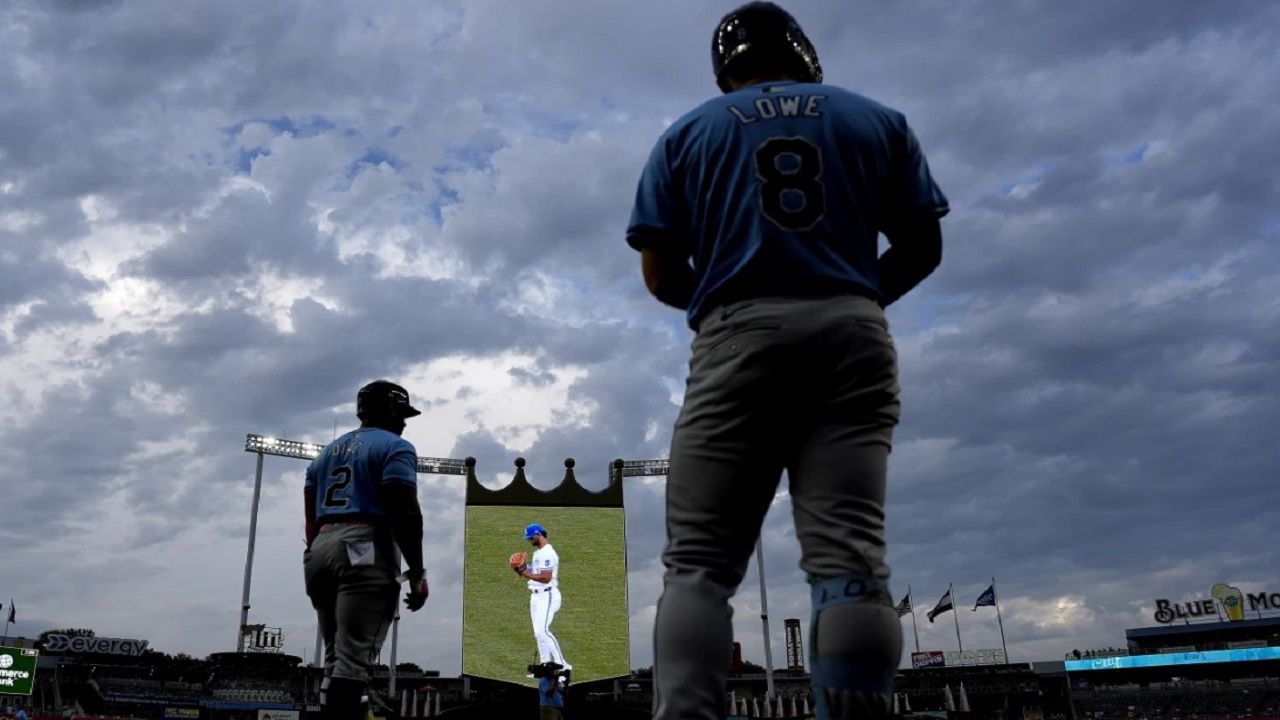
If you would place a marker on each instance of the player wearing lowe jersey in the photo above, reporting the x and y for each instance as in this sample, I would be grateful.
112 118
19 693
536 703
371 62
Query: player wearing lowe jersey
780 189
362 514
759 213
543 574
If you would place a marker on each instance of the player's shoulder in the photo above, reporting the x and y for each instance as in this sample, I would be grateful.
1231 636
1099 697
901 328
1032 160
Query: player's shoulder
386 441
849 101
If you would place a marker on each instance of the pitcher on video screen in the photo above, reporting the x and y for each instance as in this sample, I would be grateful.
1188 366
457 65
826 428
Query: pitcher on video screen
542 570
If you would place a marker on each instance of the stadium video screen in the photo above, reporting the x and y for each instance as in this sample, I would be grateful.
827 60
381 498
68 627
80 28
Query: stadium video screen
501 614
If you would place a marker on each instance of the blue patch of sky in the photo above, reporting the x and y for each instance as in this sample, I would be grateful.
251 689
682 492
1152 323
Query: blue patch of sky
1126 158
444 198
462 158
298 127
245 158
303 127
475 156
926 310
1034 178
557 128
373 157
543 123
1137 155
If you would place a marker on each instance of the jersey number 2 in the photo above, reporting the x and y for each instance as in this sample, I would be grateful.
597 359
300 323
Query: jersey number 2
339 479
794 198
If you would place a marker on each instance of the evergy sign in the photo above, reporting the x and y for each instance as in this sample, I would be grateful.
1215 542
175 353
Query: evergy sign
57 643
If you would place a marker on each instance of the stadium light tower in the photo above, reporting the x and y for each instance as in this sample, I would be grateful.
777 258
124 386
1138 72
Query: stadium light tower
263 445
655 468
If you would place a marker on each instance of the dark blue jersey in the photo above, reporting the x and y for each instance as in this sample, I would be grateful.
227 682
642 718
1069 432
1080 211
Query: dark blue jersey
781 189
348 474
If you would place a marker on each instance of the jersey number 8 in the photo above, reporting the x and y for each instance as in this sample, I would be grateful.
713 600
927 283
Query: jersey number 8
793 199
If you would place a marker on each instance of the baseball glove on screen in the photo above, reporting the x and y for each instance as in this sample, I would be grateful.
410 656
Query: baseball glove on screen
517 561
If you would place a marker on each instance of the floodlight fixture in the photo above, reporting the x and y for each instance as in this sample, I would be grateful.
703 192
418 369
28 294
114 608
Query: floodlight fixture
444 466
267 445
639 468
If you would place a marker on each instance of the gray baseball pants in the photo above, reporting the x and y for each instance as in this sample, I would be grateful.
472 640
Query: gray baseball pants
803 385
350 573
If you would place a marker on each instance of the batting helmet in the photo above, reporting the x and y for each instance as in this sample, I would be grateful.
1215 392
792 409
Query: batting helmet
534 529
767 35
381 398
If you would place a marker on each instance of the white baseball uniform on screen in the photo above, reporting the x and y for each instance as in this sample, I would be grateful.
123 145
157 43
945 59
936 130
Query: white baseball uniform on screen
544 601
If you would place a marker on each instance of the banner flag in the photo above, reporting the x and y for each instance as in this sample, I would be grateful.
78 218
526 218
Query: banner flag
986 599
904 607
944 604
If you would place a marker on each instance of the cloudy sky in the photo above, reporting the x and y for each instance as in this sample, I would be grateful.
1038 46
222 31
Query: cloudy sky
222 218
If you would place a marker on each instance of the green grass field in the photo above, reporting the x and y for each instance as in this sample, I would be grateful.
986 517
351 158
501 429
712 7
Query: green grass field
497 635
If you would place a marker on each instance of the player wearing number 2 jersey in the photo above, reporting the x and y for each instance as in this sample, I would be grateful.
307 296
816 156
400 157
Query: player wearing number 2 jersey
759 214
362 514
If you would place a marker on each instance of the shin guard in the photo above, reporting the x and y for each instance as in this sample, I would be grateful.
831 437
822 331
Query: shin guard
855 643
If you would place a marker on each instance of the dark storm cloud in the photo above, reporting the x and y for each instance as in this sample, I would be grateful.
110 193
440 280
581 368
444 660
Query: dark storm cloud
234 365
339 193
28 279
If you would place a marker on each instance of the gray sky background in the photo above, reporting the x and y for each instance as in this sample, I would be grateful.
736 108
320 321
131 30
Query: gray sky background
222 218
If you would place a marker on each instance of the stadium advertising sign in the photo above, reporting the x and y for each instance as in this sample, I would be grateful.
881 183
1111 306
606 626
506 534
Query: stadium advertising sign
1231 599
17 670
260 638
932 658
1124 662
59 643
957 658
277 715
182 713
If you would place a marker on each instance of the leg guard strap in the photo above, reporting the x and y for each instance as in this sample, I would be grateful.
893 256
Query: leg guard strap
847 589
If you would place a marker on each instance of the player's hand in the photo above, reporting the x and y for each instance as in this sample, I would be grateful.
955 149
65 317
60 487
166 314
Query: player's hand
418 590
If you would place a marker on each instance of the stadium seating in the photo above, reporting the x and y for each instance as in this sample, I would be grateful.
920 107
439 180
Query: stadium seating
244 691
1181 700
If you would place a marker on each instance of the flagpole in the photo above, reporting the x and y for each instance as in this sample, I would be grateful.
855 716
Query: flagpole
914 629
1000 619
955 615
